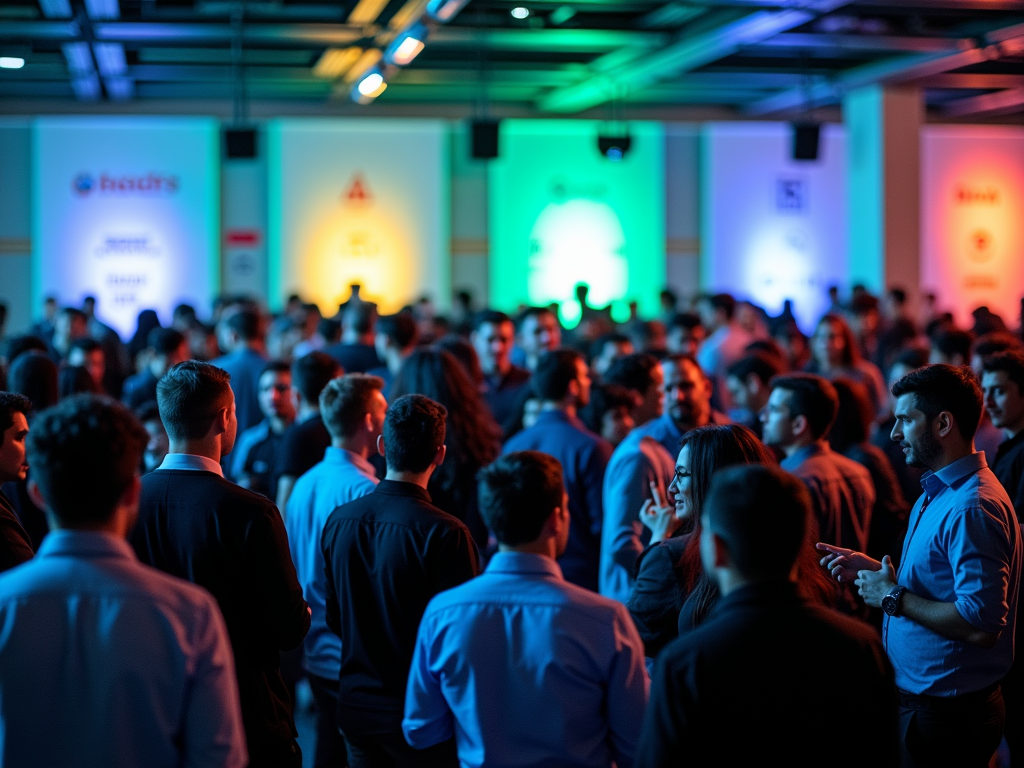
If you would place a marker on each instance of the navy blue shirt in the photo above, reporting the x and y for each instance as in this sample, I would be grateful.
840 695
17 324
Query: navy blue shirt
503 394
354 358
584 457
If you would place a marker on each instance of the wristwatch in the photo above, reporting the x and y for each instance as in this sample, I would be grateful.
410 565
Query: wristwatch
891 602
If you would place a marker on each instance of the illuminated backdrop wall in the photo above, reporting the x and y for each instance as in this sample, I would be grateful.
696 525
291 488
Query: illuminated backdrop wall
359 201
972 218
773 228
562 214
126 209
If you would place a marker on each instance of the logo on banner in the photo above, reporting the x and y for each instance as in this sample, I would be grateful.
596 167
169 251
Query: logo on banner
150 185
358 191
968 195
790 195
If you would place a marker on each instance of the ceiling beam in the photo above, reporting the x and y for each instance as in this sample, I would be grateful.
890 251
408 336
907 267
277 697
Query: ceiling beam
687 52
954 80
863 42
1000 102
163 32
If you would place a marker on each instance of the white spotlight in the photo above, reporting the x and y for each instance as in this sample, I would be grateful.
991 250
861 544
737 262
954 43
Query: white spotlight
11 62
519 12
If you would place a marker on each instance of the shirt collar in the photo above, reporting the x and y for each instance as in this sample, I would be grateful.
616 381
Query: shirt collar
84 544
400 488
951 474
524 562
190 462
343 456
802 455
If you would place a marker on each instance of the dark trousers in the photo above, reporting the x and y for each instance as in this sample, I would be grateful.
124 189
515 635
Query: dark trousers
281 754
392 751
962 731
330 745
1013 696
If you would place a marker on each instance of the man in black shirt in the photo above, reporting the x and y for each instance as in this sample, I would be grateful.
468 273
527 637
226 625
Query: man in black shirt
167 347
386 555
492 337
254 456
15 545
305 441
356 352
769 678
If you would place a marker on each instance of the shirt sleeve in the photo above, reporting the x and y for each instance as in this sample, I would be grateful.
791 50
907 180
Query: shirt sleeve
593 480
981 554
428 719
628 488
213 733
628 690
654 600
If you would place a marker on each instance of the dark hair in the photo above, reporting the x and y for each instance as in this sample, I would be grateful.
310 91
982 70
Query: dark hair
518 493
768 347
687 320
329 329
898 295
86 343
762 514
991 343
851 350
277 366
604 398
148 411
812 397
164 341
722 301
360 317
84 454
534 312
10 404
18 345
184 312
489 317
598 345
911 357
764 366
400 329
863 303
246 323
1011 363
74 313
414 429
953 341
854 417
941 387
345 401
310 374
75 380
554 372
190 395
34 375
464 352
633 372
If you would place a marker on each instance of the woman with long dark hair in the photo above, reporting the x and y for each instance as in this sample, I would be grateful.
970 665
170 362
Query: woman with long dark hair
472 437
835 353
672 593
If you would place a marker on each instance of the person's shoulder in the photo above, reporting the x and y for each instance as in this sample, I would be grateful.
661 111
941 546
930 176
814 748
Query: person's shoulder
850 467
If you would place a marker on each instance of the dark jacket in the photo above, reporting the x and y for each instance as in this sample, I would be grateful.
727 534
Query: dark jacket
386 555
658 593
769 679
15 545
1008 467
200 527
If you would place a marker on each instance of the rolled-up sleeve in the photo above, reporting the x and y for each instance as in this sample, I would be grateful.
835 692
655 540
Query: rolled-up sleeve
981 553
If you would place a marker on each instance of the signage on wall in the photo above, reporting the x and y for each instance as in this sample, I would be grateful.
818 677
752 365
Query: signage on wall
126 210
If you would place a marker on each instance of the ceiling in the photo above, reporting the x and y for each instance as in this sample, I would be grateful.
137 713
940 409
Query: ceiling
600 58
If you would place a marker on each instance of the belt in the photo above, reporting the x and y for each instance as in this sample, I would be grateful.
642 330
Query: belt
947 703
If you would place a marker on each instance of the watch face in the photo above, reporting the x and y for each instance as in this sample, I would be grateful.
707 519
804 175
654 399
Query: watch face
889 605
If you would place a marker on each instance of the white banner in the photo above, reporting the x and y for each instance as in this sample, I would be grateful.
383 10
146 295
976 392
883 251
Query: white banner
359 201
127 210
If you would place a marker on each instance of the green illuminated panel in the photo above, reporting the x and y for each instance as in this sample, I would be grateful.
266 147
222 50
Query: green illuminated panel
563 214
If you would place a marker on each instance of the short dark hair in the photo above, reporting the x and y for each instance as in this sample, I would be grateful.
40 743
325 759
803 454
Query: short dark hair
555 370
722 301
633 372
898 295
413 431
310 374
84 454
942 387
766 367
911 357
997 341
345 401
10 404
762 514
164 341
953 341
604 398
16 345
518 493
34 375
602 341
246 323
277 366
360 317
74 313
75 380
687 320
812 397
399 329
87 344
190 395
854 417
534 312
329 329
148 411
1011 363
490 317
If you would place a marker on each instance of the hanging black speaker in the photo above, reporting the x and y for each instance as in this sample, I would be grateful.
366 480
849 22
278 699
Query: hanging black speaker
239 143
805 141
484 139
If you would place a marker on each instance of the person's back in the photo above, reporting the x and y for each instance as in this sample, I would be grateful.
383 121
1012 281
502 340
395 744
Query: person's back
196 525
104 661
386 555
245 363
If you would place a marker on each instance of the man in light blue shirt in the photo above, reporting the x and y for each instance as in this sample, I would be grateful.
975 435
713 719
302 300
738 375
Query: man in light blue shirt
646 456
106 662
353 409
521 666
951 609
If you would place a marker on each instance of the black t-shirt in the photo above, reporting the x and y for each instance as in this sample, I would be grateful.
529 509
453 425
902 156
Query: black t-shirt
260 462
302 446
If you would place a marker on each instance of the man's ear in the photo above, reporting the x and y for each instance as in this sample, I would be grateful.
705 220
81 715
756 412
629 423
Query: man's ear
439 456
36 495
800 425
722 558
221 421
944 424
380 445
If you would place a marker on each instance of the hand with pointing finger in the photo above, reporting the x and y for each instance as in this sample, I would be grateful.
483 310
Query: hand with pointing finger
874 585
844 564
659 516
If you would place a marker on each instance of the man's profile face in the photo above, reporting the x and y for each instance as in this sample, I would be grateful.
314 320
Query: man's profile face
275 395
776 420
493 345
915 433
1004 401
584 382
685 341
687 395
738 392
231 432
540 333
378 410
158 445
13 466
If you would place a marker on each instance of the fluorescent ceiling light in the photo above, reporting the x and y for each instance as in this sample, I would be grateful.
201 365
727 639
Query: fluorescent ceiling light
11 62
519 12
102 9
120 88
86 88
371 83
110 59
56 9
366 11
79 58
406 46
445 10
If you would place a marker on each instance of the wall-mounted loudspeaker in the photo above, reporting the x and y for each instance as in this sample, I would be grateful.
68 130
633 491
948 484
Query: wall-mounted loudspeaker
485 139
240 143
805 141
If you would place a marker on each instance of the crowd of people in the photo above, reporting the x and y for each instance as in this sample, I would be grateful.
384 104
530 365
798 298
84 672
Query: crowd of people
487 540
